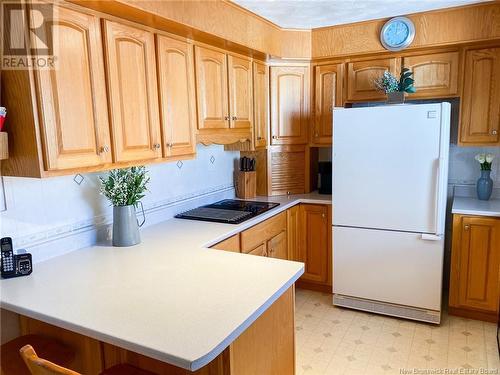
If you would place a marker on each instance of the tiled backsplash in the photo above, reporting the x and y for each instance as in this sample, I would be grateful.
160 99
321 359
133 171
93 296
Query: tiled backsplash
51 216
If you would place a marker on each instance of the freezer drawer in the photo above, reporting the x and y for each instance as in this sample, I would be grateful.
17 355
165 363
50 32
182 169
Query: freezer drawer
388 266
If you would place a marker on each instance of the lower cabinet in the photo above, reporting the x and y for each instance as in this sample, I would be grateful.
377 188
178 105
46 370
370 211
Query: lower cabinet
310 242
229 244
475 260
303 233
267 238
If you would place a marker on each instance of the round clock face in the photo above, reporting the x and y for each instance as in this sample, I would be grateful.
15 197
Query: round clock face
397 33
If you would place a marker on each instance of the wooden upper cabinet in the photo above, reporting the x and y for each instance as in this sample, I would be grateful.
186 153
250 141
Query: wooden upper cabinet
177 96
362 74
480 113
289 104
314 242
328 94
132 91
260 103
72 98
240 92
211 83
475 264
435 75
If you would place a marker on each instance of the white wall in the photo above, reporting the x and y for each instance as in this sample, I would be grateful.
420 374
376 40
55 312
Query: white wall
39 212
464 170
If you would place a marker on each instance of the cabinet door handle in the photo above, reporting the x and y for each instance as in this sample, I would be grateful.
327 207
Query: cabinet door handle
156 146
494 132
235 118
466 227
226 118
275 137
104 149
323 216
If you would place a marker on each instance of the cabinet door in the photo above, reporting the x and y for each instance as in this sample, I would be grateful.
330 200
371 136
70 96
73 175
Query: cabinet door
435 74
314 242
211 86
328 94
133 94
277 246
480 115
260 103
362 74
293 232
259 250
72 97
288 169
177 96
289 104
240 92
479 260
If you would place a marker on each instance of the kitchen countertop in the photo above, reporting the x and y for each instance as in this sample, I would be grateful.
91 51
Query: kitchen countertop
473 206
169 298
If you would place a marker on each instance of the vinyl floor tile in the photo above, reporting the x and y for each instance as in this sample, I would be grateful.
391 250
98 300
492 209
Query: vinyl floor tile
337 341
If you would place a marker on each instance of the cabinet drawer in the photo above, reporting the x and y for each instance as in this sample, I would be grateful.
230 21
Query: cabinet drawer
262 232
229 244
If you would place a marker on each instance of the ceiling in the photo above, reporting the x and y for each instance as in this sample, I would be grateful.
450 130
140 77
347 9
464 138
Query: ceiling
309 14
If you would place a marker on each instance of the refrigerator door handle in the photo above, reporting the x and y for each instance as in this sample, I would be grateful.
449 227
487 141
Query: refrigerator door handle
431 237
440 196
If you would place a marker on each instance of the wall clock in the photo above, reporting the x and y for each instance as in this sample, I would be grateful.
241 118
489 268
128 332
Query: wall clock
397 33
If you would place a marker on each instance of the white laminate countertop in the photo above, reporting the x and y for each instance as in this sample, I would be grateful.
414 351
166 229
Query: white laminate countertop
473 206
169 298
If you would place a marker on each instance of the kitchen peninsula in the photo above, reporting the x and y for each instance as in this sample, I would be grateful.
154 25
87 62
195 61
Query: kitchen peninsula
195 308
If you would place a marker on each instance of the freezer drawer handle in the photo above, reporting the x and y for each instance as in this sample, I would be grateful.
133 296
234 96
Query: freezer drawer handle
431 237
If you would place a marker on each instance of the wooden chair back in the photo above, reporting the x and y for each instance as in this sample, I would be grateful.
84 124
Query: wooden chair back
39 366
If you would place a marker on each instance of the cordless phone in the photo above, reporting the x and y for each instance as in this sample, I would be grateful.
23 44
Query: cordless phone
13 265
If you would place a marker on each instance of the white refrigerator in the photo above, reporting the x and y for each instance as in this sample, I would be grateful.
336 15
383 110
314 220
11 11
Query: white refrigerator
390 172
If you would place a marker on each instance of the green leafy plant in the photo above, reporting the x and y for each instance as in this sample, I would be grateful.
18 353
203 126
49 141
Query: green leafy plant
389 83
126 186
406 81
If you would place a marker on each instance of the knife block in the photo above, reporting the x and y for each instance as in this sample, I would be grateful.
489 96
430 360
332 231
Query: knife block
246 184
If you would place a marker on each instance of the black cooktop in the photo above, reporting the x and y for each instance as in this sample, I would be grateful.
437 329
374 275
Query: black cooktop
229 211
